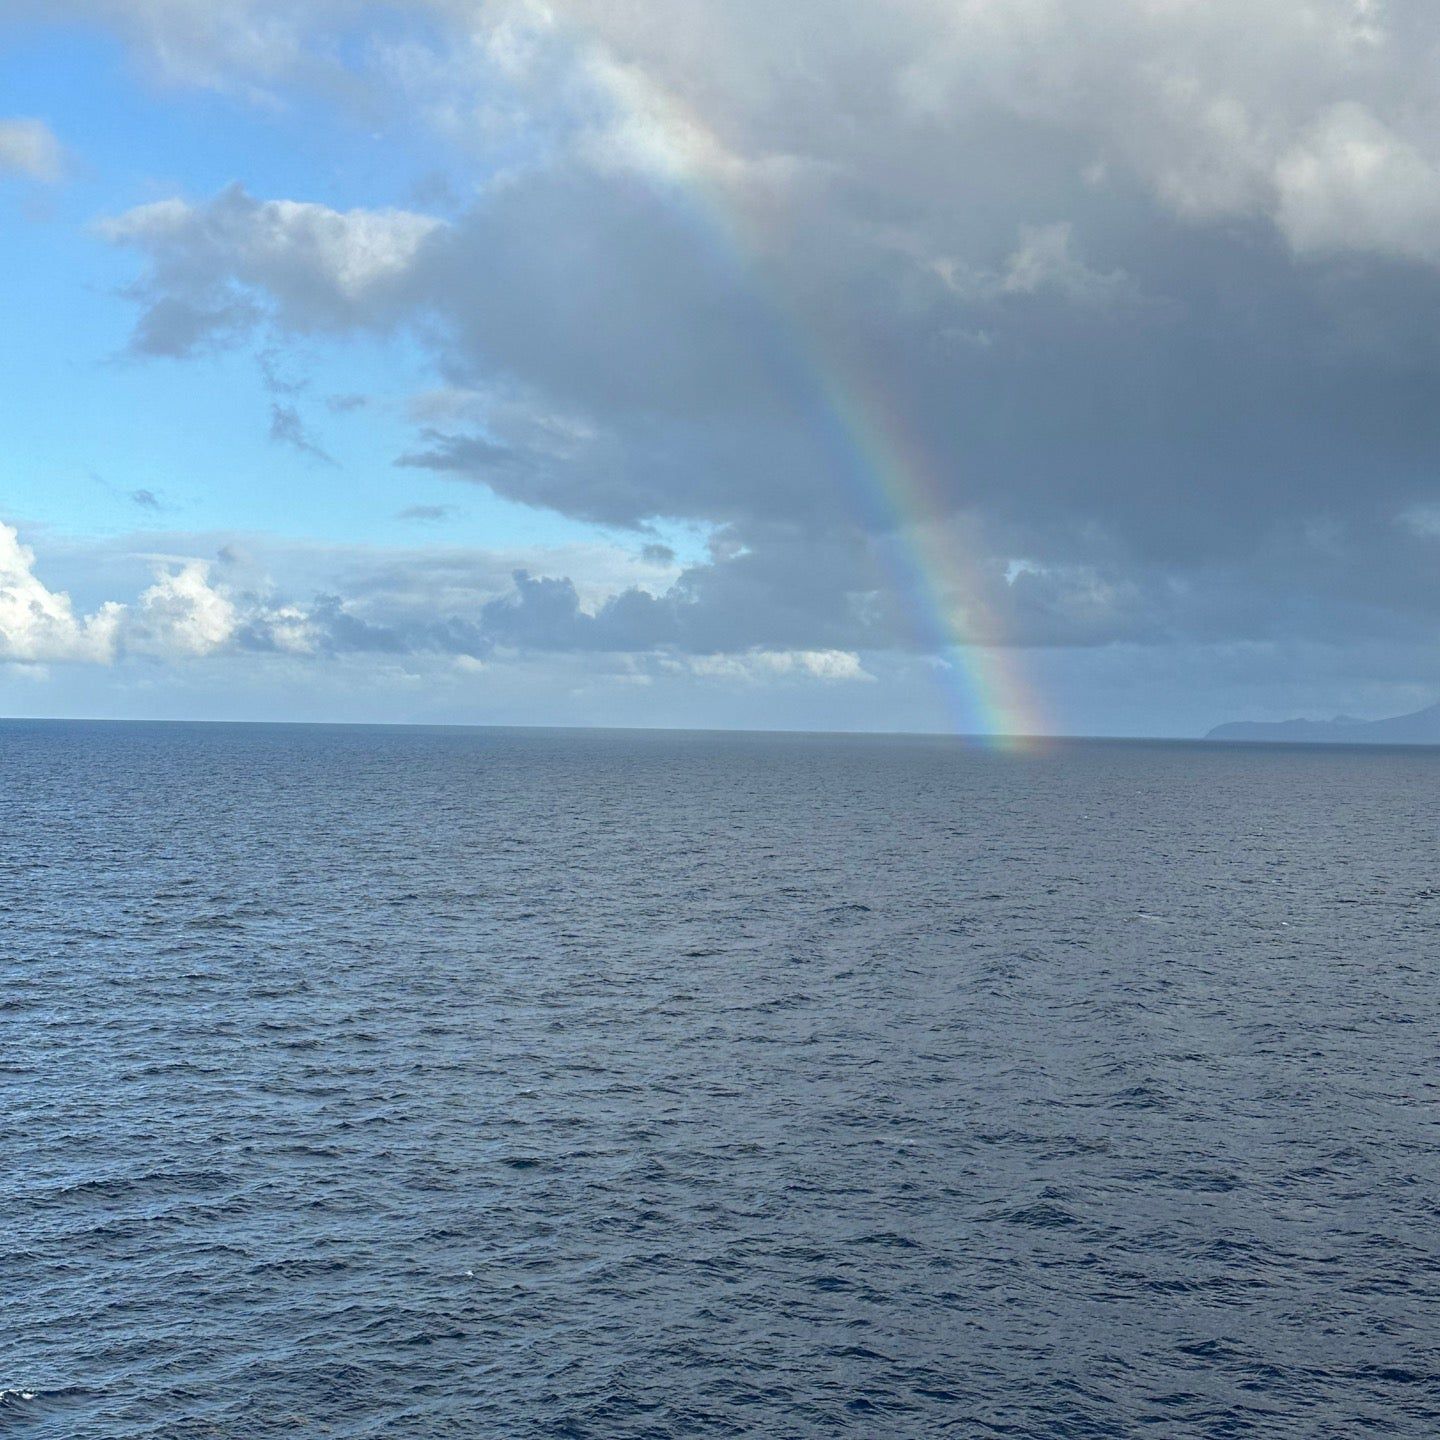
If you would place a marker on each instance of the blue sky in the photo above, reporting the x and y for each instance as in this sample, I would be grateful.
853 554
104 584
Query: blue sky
470 363
83 413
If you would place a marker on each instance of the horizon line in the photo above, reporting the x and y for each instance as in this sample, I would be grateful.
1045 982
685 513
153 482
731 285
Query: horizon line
986 741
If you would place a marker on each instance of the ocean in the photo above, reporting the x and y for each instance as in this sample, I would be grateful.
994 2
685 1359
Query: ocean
440 1082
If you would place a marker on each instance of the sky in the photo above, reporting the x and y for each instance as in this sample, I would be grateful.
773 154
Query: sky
947 365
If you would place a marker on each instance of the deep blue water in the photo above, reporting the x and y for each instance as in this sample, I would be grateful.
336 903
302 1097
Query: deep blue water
424 1083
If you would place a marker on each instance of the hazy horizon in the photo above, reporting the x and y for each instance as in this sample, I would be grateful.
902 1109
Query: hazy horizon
967 739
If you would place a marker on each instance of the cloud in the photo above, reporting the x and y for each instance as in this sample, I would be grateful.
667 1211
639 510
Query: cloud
1132 301
287 428
421 602
29 148
1045 260
751 625
1352 184
760 666
1044 263
1218 110
473 456
242 45
181 615
425 512
41 625
315 269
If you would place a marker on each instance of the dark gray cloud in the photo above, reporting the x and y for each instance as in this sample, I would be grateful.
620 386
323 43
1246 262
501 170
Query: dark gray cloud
541 626
471 456
1142 298
176 328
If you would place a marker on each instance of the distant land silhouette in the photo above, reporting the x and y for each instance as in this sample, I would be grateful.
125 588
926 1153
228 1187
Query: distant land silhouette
1420 728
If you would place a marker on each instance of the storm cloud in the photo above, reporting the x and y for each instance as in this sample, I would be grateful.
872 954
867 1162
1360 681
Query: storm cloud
1147 293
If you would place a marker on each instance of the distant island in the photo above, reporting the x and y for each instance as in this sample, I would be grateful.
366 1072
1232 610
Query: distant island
1420 728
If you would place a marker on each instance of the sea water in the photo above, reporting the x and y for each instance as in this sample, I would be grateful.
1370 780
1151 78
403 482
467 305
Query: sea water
426 1083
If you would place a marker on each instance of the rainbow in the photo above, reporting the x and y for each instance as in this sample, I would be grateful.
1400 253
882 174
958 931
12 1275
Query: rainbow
891 476
985 695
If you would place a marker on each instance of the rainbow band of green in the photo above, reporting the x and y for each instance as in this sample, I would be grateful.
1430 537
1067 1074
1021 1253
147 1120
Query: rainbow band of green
985 696
888 473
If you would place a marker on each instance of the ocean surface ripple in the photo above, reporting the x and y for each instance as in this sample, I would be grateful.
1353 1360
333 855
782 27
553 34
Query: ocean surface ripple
370 1082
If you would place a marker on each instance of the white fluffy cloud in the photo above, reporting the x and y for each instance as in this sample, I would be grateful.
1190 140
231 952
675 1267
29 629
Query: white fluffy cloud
462 605
286 245
1317 115
181 615
1352 183
38 624
29 147
755 667
319 267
